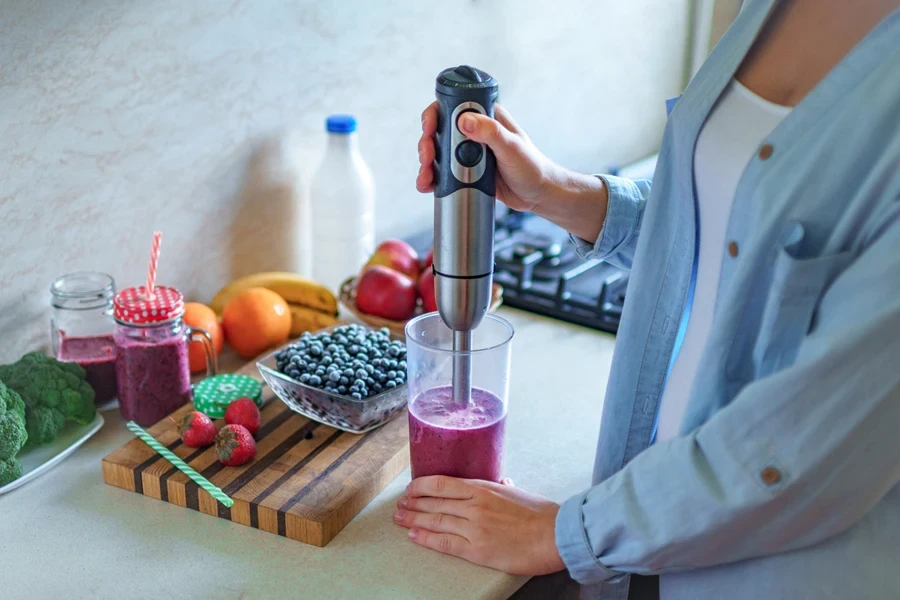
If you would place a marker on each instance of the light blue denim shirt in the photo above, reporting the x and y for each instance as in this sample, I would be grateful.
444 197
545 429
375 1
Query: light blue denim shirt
785 481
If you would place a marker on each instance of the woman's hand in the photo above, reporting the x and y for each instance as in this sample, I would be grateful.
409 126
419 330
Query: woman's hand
490 524
523 172
526 180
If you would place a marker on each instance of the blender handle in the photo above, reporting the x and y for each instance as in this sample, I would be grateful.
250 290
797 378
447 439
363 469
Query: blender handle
212 365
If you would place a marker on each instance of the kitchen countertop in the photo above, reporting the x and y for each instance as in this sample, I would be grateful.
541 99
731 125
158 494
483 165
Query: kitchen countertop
67 534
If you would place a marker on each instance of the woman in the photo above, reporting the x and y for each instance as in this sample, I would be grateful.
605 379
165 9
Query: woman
748 447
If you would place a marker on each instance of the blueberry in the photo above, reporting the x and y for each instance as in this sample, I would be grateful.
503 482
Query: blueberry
342 390
306 336
357 364
393 351
332 348
340 339
390 384
381 377
327 360
393 364
354 349
315 381
340 363
356 395
370 368
348 372
361 374
402 365
321 371
376 354
370 382
363 357
334 376
392 374
330 389
345 381
385 332
293 373
316 349
305 378
377 387
376 363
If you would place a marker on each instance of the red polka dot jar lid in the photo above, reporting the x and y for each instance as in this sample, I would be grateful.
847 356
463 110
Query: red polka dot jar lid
132 306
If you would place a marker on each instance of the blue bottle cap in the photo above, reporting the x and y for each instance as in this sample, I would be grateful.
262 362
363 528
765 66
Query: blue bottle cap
341 124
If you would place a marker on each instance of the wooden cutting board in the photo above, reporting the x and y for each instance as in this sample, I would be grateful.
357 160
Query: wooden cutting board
307 482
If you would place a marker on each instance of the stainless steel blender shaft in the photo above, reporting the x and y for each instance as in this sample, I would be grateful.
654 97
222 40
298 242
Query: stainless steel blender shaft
462 367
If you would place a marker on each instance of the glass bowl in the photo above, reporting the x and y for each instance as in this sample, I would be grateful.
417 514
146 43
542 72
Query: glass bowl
341 412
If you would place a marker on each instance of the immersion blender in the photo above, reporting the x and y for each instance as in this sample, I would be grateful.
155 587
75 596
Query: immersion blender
463 215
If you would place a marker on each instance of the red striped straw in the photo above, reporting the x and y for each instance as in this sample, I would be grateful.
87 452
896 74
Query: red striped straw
154 261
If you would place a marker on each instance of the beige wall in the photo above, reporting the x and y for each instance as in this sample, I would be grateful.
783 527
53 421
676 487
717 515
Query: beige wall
119 117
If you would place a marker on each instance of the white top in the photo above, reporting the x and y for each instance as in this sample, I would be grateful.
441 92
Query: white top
731 135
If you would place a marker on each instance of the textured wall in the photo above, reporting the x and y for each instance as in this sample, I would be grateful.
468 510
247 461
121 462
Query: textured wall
119 117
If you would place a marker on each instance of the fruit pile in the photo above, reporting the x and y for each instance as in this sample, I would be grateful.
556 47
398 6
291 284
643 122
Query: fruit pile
235 445
349 360
259 312
392 282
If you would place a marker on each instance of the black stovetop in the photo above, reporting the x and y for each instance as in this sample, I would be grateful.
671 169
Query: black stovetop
540 272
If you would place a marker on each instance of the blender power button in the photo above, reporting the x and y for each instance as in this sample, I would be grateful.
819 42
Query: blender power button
469 153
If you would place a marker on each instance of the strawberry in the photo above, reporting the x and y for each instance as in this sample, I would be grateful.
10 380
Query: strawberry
197 430
243 411
235 445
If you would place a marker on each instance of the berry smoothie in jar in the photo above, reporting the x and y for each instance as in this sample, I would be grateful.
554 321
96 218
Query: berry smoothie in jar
152 340
448 436
82 325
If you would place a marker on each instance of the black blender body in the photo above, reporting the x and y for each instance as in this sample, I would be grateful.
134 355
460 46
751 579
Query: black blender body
464 198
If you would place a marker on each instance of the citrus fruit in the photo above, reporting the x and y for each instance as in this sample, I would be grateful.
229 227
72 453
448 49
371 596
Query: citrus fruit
202 317
255 320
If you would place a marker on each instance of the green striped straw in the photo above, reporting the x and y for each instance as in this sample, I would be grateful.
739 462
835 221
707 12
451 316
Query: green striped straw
179 464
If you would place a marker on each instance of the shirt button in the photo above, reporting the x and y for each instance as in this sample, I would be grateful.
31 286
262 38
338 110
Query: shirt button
732 249
766 151
770 476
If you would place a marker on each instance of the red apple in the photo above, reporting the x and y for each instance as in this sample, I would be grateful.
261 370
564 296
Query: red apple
396 255
426 290
385 293
429 259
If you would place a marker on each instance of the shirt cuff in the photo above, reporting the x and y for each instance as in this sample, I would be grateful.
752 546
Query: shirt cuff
574 547
623 214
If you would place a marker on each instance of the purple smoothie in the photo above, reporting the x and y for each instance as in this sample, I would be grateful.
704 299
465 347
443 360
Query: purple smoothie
97 356
462 442
154 378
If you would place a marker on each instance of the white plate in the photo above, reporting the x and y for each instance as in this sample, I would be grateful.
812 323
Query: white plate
37 460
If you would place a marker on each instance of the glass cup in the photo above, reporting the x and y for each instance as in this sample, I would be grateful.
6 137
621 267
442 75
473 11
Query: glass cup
447 437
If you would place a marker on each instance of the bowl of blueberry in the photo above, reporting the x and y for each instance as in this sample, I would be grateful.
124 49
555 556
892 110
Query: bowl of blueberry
350 377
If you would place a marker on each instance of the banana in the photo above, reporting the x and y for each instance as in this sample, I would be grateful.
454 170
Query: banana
293 288
305 319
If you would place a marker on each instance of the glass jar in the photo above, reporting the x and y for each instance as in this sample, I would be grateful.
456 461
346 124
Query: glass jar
81 328
152 366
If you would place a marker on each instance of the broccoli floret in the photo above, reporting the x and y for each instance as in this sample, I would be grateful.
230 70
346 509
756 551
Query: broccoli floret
53 392
12 433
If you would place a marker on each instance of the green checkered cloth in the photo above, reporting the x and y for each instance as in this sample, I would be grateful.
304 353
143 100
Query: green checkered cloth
213 395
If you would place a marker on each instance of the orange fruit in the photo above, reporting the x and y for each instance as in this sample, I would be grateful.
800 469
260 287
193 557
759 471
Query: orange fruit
255 320
202 317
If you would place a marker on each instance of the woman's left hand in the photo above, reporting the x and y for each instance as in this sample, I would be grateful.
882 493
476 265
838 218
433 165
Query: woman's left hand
490 524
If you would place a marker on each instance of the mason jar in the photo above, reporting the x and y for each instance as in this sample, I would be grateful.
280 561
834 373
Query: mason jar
81 328
152 341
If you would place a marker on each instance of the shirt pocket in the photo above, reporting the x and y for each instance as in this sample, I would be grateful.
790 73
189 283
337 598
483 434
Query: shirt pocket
797 284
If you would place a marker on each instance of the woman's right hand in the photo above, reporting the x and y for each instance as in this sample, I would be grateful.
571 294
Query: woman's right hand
523 173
